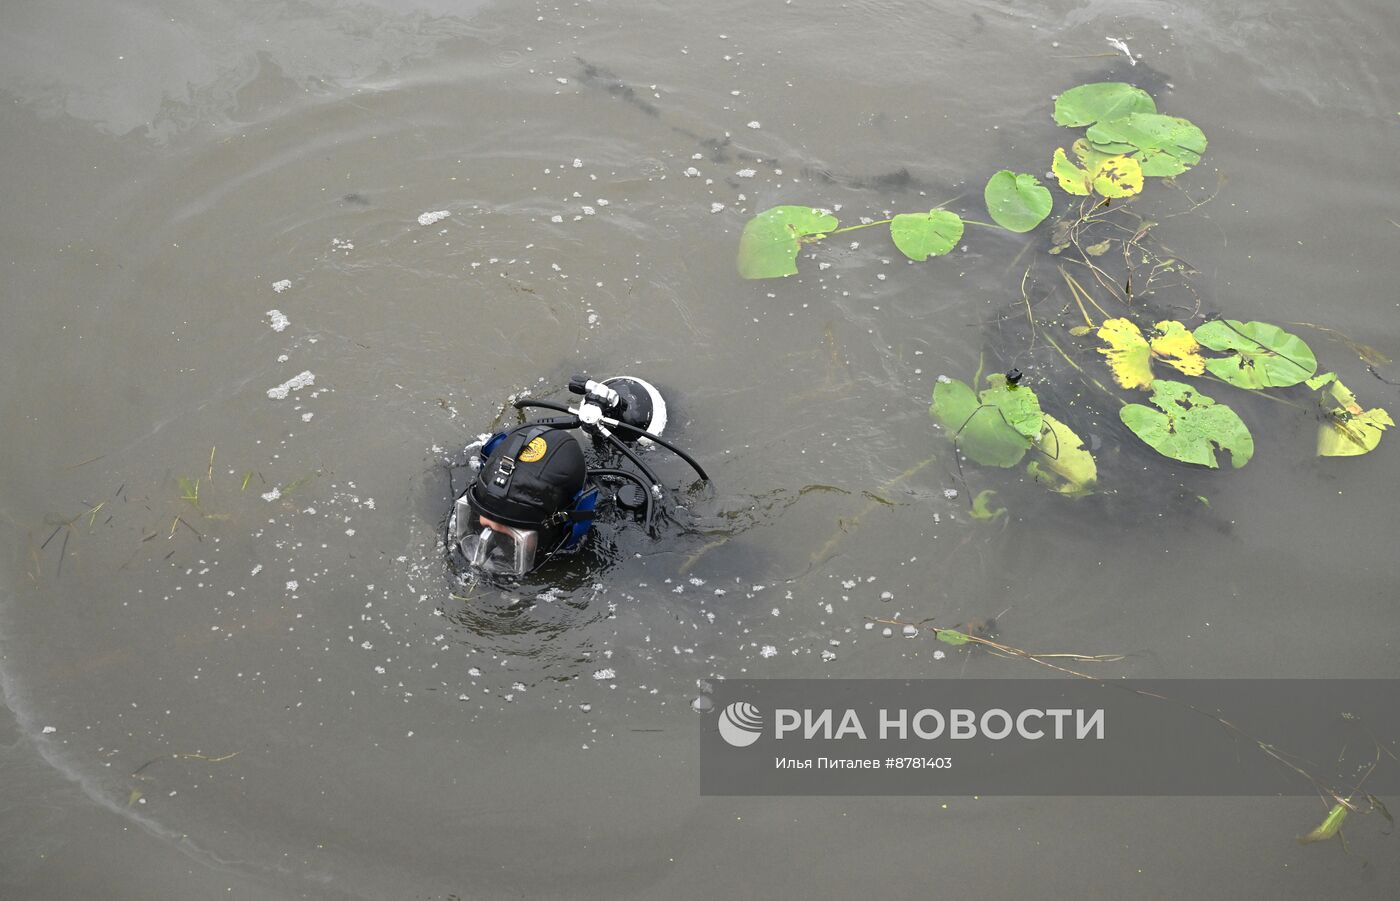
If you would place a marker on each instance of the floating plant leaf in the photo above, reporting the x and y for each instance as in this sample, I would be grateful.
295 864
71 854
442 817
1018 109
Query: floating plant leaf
1347 430
1188 425
1018 405
1163 145
1330 825
1118 176
1177 347
1016 202
1088 157
923 235
952 636
980 427
1354 435
768 248
981 509
1322 378
1128 353
1072 179
1264 355
1090 103
1064 465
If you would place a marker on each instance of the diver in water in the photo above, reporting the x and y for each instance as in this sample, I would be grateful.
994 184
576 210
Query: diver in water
537 493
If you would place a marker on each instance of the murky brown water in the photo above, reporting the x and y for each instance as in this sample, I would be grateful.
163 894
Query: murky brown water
174 172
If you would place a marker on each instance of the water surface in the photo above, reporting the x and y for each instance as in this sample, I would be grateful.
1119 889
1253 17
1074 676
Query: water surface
275 691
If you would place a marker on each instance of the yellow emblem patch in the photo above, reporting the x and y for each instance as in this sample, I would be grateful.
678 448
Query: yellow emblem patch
534 451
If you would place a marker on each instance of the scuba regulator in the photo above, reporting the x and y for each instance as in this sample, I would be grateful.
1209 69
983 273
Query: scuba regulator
534 494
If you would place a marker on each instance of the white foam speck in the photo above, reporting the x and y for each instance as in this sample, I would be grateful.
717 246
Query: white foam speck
49 730
272 495
257 569
281 285
746 173
716 207
768 651
604 675
755 124
292 585
306 417
1122 46
295 383
434 216
279 320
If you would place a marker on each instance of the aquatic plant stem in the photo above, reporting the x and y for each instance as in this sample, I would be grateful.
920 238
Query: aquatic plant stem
851 228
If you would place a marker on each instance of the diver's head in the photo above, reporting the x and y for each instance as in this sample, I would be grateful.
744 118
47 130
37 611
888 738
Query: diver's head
522 506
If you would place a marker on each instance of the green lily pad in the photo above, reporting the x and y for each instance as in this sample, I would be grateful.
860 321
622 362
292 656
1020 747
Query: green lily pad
1016 202
1017 404
1064 465
1262 355
1189 426
923 235
1162 145
1090 103
770 242
986 431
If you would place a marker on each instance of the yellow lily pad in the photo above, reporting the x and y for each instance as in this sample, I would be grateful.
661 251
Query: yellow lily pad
1110 176
1128 353
1064 465
1088 157
1118 176
1347 430
1073 179
1178 348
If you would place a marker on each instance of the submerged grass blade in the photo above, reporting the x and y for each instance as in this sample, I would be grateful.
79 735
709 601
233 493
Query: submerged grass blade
1329 827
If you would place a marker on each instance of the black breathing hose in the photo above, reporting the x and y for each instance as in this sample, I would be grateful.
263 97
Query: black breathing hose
643 433
559 408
